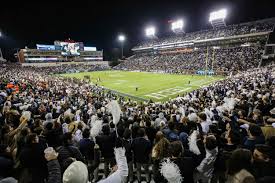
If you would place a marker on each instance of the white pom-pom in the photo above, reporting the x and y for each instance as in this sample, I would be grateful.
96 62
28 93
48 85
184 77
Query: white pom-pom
96 128
208 113
182 111
115 110
193 147
27 115
193 117
220 109
170 171
229 103
92 121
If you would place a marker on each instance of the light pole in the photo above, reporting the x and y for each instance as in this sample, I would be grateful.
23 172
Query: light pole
121 39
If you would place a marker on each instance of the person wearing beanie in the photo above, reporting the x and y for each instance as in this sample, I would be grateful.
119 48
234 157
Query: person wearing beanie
77 172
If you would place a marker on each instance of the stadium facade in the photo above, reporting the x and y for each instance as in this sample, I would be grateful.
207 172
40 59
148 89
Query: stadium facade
60 52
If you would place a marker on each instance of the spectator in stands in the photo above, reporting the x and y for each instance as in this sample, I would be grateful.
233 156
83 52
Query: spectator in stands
255 136
141 148
106 143
204 172
32 159
240 167
68 152
263 163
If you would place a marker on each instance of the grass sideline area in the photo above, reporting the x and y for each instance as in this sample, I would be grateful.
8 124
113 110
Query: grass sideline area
155 86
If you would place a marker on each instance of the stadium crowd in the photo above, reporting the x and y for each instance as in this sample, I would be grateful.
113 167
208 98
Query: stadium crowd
221 133
222 59
231 30
70 68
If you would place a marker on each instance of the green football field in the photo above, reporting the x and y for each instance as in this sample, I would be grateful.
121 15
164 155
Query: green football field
158 87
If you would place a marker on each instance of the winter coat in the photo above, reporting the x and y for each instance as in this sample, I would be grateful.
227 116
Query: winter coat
54 172
206 168
65 152
106 144
32 158
86 147
263 169
141 148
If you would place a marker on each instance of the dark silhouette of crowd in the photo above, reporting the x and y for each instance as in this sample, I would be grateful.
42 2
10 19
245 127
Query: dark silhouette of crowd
224 132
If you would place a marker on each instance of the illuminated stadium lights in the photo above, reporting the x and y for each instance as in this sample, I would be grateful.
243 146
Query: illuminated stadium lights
217 18
177 25
121 38
221 14
150 31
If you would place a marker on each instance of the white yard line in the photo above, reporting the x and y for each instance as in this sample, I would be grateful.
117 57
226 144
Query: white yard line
168 92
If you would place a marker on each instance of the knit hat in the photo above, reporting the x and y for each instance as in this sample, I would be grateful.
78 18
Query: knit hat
77 172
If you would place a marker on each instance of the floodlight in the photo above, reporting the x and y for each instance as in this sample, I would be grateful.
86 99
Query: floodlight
0 34
150 31
216 15
177 25
121 38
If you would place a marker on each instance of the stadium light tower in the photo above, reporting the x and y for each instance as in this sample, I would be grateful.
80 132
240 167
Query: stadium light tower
121 39
150 31
177 26
217 18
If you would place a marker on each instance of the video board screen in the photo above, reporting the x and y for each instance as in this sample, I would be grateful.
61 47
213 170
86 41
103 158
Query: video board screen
68 49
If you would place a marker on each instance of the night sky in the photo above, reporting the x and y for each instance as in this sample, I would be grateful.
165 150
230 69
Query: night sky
97 23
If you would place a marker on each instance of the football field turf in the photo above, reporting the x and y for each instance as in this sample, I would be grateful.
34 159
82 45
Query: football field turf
155 86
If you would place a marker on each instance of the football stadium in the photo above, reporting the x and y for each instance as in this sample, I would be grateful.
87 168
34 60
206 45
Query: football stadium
145 86
138 92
